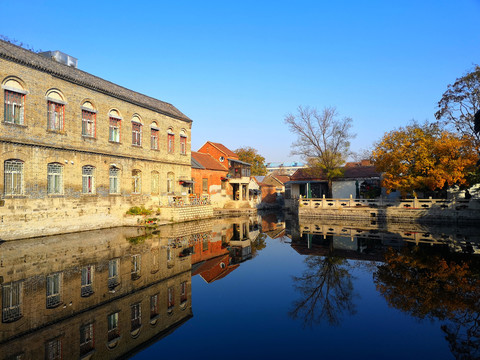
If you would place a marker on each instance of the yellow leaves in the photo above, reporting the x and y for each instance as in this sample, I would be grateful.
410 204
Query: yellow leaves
423 157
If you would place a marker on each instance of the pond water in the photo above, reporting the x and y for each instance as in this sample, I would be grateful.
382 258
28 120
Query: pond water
258 287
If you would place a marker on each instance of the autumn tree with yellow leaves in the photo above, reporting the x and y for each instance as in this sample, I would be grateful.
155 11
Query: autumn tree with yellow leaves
424 157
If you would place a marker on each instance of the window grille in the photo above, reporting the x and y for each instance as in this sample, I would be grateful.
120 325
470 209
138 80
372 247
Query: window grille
113 277
56 113
53 349
136 318
86 339
13 177
183 145
12 301
136 134
114 130
171 143
88 177
87 281
113 331
135 270
55 179
154 139
88 123
14 107
114 184
53 290
137 181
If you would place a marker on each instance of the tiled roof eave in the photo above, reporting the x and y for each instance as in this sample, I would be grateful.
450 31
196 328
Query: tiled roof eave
89 86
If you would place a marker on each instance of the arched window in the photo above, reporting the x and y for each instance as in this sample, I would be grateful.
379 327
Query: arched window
56 111
88 179
137 181
13 181
55 178
89 120
183 142
154 136
14 102
155 181
170 141
114 174
115 126
170 182
136 131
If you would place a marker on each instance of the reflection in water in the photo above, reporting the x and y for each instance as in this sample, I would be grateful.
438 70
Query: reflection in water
433 286
326 291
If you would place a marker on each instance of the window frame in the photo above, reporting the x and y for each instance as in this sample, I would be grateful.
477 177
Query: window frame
170 142
56 177
113 180
53 295
14 177
55 123
89 123
136 181
14 93
136 133
114 129
88 180
87 276
12 296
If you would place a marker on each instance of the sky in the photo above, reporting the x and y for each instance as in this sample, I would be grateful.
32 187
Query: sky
237 68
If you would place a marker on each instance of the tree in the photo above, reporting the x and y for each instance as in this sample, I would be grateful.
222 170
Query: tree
323 139
424 157
251 156
460 103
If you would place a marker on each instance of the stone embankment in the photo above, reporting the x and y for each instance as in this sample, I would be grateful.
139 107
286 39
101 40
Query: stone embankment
412 210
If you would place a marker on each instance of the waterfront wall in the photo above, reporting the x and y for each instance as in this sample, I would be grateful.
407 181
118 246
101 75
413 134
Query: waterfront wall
411 210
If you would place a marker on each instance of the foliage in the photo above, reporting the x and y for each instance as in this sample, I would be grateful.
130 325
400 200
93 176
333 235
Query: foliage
251 156
460 103
138 210
323 139
326 291
428 286
423 157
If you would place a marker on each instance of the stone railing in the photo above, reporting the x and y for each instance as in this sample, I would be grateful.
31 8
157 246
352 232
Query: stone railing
190 200
418 204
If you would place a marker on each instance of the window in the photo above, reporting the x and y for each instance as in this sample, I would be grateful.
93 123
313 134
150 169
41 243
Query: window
137 181
224 184
155 181
14 107
53 290
89 119
155 260
115 124
88 179
170 141
154 136
183 292
87 343
205 186
136 317
54 178
170 185
135 267
113 277
53 349
13 182
171 298
12 301
55 111
87 281
205 244
183 143
136 131
113 177
154 306
113 331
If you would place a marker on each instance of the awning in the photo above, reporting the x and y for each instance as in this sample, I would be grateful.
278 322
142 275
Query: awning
240 162
186 182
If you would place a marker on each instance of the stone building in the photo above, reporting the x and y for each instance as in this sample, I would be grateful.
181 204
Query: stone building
77 151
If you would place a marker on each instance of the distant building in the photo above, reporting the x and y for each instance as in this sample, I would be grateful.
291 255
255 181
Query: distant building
285 168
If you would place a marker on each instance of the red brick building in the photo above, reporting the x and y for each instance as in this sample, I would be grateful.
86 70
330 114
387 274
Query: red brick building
209 176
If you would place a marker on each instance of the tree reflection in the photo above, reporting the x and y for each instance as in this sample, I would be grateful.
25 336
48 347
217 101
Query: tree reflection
428 286
327 291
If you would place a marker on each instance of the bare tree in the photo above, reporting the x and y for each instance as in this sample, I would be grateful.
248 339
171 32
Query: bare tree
323 139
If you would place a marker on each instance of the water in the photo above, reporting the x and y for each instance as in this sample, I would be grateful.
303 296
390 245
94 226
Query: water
244 287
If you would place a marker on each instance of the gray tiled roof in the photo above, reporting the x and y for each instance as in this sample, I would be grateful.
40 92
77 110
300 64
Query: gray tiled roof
22 56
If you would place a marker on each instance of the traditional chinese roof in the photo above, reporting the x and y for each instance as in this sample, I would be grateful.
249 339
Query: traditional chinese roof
33 60
207 161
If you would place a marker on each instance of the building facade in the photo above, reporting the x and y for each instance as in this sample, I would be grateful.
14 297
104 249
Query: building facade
77 151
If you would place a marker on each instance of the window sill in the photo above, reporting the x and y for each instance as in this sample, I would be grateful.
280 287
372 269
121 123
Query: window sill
88 194
53 196
154 149
14 196
115 194
137 146
114 142
59 132
87 137
13 124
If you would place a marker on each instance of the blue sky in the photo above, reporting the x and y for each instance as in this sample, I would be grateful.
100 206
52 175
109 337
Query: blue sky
238 67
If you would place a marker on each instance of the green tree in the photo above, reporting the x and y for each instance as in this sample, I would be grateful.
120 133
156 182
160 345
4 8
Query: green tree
460 103
323 140
424 157
251 156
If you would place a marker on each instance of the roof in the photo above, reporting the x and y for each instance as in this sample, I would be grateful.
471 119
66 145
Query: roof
28 58
284 164
282 178
360 172
308 174
196 164
240 162
207 161
224 149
